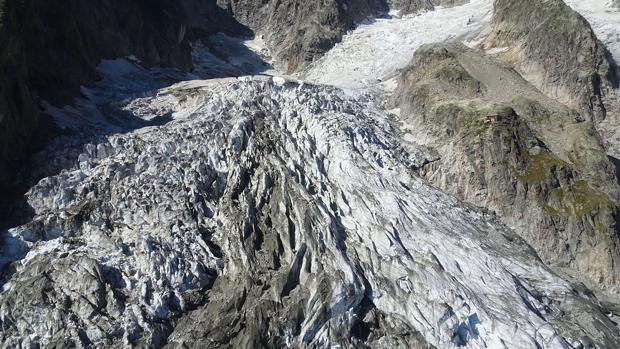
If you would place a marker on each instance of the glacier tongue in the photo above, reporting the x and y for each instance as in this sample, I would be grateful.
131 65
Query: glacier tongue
278 213
264 211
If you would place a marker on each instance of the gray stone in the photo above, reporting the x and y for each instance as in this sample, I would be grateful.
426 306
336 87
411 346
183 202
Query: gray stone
505 146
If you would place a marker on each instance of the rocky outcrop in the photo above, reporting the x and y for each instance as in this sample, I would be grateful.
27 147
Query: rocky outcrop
555 49
411 6
505 146
49 49
64 47
299 31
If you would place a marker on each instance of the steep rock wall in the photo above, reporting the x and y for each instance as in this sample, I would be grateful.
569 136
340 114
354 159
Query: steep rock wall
505 146
555 48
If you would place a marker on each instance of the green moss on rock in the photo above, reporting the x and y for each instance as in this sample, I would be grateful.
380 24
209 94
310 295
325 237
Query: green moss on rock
578 200
456 74
540 167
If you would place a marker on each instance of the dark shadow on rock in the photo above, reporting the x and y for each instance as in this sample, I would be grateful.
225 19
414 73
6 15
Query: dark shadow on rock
616 163
222 54
14 209
614 73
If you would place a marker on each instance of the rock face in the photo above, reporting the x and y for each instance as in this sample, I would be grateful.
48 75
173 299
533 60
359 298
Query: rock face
269 213
156 32
299 31
413 6
19 115
50 49
555 49
505 146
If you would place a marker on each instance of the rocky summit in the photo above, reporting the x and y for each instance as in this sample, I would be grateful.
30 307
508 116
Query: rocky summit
310 174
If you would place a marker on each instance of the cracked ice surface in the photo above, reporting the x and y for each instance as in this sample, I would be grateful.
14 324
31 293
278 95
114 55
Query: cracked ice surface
301 183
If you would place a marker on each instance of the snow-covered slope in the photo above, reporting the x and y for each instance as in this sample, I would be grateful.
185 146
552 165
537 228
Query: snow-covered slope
376 49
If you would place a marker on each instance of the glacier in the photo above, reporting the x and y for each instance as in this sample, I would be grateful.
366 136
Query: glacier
273 210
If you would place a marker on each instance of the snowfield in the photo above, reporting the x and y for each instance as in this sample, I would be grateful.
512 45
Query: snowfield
375 50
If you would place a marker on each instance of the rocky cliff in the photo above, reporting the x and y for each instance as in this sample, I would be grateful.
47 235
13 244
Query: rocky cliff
505 146
19 116
555 49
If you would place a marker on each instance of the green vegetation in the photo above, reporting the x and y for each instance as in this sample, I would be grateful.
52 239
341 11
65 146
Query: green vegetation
540 167
578 200
472 120
457 75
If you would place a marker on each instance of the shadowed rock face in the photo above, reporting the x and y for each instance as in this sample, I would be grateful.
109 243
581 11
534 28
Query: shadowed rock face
506 146
63 47
555 49
50 48
19 115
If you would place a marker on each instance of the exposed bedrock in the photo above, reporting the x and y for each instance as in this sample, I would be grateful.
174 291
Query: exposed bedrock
554 47
504 145
413 6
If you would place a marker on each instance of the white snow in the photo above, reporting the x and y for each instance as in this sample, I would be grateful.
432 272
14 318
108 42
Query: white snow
604 18
376 49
